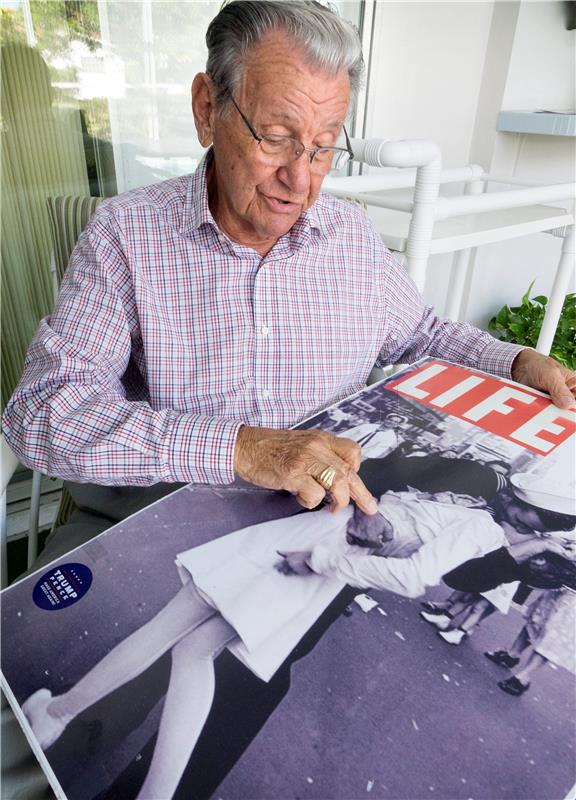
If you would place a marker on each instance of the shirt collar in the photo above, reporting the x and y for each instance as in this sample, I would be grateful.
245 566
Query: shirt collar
311 218
197 212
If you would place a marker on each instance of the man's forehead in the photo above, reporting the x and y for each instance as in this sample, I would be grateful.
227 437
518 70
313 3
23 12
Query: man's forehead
322 89
284 115
278 70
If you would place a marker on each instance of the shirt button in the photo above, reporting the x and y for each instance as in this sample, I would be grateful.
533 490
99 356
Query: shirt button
264 330
265 394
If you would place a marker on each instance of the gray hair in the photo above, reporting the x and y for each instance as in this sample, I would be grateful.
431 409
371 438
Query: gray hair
328 42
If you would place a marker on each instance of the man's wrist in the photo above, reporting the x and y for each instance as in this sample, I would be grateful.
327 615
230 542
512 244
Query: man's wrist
243 447
520 364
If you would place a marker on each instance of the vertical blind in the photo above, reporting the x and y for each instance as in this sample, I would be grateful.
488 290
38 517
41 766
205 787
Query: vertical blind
42 155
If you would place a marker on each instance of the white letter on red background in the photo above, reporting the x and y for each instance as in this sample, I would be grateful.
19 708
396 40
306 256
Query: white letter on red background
496 402
456 391
409 385
544 421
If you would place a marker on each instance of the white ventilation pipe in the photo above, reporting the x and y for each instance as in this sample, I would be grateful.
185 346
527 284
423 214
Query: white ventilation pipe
564 273
495 201
403 153
427 159
350 185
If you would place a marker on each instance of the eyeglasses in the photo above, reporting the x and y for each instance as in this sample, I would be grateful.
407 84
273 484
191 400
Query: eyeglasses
282 150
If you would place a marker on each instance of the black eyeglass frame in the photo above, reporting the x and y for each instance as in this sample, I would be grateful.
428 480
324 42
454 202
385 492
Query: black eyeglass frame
312 151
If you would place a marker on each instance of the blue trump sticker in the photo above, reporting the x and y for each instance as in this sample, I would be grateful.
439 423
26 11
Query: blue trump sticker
62 586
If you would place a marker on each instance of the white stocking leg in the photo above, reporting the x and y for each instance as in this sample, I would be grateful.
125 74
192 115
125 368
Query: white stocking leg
188 702
136 653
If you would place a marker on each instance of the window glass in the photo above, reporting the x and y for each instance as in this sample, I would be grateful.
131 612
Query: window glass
153 50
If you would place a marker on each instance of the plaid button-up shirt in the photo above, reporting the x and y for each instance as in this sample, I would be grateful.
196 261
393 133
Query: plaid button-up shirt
167 337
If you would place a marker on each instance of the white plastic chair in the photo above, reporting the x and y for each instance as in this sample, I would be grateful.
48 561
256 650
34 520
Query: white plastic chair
9 463
420 223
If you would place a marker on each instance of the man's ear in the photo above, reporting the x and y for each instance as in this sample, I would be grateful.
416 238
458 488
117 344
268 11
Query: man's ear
203 108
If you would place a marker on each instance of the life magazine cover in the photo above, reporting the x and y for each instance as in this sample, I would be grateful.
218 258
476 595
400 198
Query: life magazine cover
225 643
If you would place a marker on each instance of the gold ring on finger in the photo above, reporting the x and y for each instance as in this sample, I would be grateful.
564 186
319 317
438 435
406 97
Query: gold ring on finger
326 478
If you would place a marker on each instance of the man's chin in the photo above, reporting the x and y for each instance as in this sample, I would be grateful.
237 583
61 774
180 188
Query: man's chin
277 226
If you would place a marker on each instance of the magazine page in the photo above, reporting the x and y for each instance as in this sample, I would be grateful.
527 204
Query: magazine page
226 643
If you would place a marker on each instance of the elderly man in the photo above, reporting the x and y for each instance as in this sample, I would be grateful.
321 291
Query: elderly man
202 317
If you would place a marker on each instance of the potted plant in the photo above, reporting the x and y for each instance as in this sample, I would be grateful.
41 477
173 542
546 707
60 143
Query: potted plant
521 325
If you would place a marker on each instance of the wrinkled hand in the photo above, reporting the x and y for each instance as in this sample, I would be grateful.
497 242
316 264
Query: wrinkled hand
280 459
545 373
294 562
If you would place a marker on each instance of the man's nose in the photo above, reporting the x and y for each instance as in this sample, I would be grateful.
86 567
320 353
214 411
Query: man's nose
296 175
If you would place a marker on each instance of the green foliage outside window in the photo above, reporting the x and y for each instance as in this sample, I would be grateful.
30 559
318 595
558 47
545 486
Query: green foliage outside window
521 325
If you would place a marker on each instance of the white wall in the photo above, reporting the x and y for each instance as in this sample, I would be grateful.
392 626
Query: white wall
425 75
443 71
426 71
541 75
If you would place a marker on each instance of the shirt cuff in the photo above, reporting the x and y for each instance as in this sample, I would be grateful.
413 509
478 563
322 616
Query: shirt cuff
201 449
497 358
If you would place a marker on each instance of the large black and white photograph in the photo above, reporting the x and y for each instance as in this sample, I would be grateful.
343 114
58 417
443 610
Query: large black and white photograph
231 644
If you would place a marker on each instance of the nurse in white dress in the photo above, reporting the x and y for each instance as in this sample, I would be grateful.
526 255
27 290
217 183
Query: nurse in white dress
239 592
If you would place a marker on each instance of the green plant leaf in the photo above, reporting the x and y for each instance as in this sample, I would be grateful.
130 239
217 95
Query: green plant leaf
526 297
521 324
502 316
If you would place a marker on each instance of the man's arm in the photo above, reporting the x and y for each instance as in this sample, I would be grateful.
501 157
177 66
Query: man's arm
405 576
413 330
503 565
70 416
484 573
